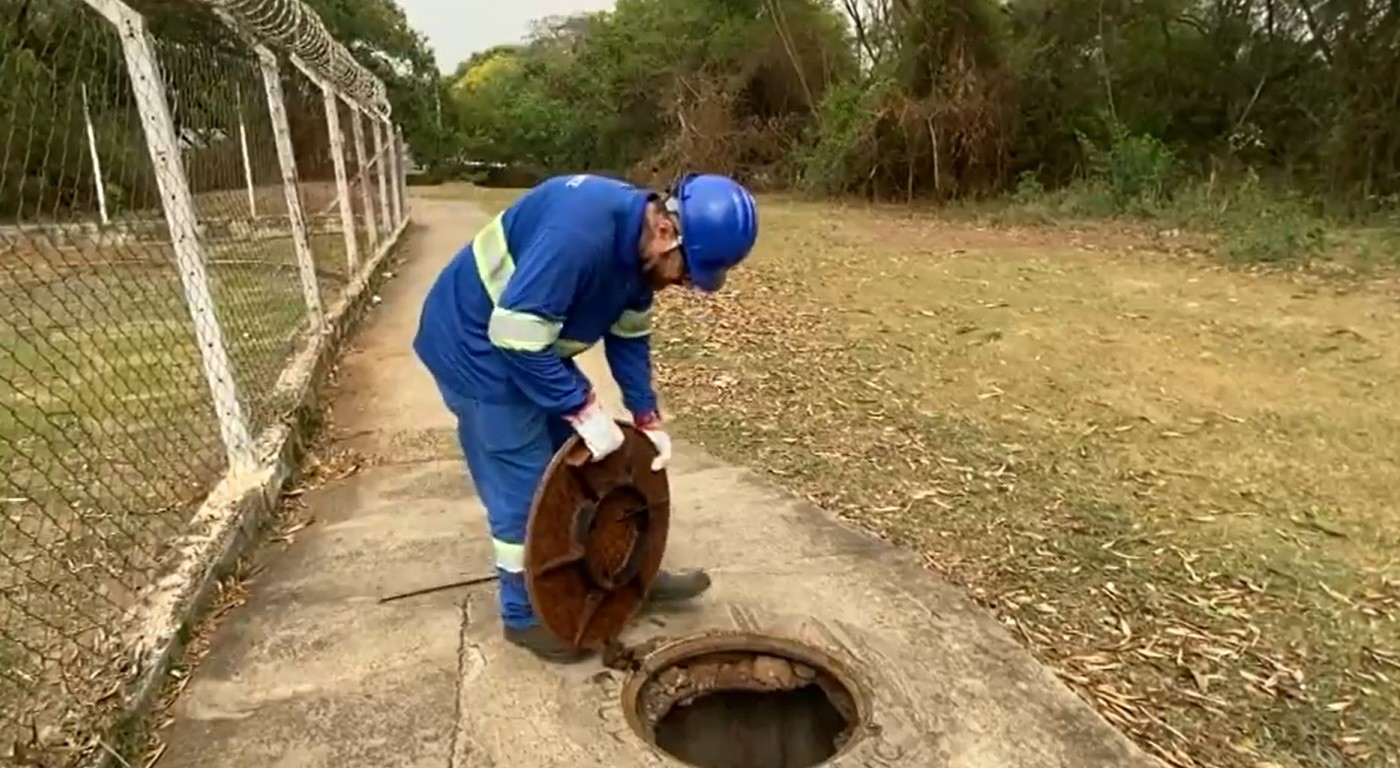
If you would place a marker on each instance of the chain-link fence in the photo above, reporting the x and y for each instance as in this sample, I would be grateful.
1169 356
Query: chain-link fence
177 209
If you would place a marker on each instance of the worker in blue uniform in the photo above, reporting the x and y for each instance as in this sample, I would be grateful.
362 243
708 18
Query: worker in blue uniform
574 261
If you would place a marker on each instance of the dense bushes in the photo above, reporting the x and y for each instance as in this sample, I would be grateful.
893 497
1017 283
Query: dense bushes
656 85
955 98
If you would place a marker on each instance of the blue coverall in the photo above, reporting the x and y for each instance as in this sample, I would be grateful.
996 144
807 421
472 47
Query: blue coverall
559 270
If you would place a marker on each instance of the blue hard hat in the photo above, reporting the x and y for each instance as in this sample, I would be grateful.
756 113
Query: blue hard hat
719 224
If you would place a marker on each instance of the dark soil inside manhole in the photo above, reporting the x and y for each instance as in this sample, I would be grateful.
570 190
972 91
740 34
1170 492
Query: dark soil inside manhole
797 728
743 709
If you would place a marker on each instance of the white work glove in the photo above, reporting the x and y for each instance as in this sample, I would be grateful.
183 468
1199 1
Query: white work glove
650 425
600 433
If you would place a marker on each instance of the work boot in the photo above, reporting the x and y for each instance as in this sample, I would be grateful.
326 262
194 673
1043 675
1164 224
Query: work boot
544 644
669 587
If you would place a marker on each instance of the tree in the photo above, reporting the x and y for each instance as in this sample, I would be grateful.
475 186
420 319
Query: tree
657 85
950 98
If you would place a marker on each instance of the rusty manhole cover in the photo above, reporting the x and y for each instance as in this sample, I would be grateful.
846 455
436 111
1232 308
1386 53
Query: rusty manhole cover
596 537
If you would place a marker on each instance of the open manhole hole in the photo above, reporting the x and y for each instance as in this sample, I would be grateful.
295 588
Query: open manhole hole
740 700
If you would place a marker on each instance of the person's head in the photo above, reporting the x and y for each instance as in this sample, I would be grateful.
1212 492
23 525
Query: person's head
695 235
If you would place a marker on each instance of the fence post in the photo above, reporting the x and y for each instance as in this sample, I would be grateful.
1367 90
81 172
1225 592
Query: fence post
358 132
96 161
286 159
381 151
342 176
338 157
398 167
247 161
149 90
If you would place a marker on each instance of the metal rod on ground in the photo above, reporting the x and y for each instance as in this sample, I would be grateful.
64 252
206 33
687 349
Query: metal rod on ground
441 588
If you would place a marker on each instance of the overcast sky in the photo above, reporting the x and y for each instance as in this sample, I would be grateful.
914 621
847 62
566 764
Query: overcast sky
457 28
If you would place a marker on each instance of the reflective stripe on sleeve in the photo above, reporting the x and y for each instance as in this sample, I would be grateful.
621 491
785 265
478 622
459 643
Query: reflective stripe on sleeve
570 347
511 329
632 324
493 260
509 557
521 331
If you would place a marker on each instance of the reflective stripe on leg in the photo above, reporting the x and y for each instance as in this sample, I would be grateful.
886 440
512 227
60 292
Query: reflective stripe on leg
509 557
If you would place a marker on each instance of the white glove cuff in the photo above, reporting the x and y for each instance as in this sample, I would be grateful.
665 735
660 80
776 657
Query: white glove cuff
598 430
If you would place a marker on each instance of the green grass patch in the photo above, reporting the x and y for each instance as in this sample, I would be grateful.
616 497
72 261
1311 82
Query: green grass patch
108 438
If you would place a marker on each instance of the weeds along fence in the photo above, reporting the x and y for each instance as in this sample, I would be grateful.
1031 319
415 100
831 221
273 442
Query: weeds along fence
183 195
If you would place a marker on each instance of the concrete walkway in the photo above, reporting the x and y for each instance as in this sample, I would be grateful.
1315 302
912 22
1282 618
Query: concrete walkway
314 672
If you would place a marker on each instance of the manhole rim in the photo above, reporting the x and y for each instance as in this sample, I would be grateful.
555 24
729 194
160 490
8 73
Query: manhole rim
672 651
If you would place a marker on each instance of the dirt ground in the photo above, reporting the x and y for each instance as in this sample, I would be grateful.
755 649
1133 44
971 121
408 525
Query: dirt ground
1174 480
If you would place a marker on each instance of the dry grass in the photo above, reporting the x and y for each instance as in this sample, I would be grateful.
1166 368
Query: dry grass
1170 479
1173 481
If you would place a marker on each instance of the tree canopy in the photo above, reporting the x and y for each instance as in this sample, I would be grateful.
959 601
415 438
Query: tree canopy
948 98
939 99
